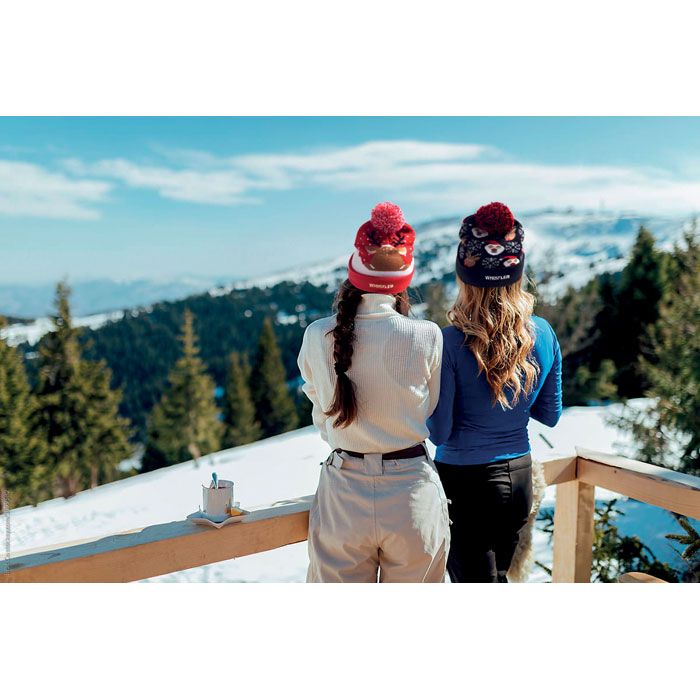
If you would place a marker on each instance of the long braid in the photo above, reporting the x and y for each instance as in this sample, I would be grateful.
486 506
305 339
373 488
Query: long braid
347 300
344 405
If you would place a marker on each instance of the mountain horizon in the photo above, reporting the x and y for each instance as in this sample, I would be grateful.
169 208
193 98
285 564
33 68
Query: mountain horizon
593 239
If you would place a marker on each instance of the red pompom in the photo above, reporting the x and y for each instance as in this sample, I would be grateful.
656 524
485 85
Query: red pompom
387 219
495 218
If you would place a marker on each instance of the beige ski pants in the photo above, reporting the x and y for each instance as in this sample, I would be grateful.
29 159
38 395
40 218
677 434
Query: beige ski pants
374 519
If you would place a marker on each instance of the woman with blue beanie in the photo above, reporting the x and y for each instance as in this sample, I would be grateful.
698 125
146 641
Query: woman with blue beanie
501 366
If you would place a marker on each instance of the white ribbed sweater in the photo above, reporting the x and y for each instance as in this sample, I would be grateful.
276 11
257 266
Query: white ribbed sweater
396 371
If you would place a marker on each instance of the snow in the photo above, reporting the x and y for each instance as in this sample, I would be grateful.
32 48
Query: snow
274 470
19 333
573 245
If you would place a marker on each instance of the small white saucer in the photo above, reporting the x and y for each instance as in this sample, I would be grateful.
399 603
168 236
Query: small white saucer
214 520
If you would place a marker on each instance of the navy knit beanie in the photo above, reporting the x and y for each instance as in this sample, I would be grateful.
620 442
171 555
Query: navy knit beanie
490 252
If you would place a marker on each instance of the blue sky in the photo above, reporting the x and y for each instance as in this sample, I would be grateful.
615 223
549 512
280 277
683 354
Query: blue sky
159 198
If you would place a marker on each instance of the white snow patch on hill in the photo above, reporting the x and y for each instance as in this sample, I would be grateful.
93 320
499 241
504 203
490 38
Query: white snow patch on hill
19 333
265 472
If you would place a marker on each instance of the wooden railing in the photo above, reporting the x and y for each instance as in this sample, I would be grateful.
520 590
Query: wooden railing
169 547
575 504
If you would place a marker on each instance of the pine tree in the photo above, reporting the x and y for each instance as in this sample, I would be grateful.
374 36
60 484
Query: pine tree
108 442
614 554
573 318
21 449
76 412
668 430
185 422
590 387
641 290
691 554
607 338
241 427
436 304
273 403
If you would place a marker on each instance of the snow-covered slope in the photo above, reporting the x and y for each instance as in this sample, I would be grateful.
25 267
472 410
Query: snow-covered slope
273 470
18 333
570 245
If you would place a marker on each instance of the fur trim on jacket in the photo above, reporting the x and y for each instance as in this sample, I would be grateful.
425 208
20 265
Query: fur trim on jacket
524 557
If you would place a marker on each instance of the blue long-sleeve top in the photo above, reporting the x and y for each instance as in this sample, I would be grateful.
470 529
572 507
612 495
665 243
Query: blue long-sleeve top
466 427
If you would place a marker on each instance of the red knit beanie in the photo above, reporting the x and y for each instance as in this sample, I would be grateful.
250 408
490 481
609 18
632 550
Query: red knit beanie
383 260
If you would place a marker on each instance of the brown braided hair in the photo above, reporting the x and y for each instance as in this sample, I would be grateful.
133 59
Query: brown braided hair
347 300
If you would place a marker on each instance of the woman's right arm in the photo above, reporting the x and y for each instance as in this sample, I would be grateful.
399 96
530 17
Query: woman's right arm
440 423
317 413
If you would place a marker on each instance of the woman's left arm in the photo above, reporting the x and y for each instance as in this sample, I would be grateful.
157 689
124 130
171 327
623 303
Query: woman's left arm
547 407
318 415
440 422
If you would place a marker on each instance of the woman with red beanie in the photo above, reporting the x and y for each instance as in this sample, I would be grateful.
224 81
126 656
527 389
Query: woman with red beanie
373 375
501 366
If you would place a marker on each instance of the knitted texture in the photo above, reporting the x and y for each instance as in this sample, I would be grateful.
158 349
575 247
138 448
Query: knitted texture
396 372
495 218
383 261
490 252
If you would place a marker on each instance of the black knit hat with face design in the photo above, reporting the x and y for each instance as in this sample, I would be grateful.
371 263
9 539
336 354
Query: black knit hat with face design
490 252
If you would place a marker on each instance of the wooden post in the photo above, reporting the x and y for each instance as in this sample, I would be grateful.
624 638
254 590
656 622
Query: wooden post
573 533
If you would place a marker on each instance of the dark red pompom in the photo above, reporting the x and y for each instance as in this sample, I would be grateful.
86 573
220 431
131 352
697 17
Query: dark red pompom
495 218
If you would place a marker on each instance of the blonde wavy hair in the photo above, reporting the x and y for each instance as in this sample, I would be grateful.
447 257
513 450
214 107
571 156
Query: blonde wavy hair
497 325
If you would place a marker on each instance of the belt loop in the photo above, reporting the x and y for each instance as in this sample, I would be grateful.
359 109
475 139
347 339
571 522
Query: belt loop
334 460
374 464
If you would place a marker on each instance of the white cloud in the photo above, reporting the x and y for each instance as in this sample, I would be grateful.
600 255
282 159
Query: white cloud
531 186
361 159
205 178
27 189
204 187
457 176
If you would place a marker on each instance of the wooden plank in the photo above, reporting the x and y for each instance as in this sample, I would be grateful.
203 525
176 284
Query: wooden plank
169 547
656 486
573 533
641 468
560 470
162 549
639 577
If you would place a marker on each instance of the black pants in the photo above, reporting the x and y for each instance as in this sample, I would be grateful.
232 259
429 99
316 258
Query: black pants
490 506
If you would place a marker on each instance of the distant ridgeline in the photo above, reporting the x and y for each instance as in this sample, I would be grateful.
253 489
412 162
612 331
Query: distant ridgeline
9 320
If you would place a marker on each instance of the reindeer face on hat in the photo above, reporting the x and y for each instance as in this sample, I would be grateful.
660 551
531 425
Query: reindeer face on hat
490 252
383 260
385 242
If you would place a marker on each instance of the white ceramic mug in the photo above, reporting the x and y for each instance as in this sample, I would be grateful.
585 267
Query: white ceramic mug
217 502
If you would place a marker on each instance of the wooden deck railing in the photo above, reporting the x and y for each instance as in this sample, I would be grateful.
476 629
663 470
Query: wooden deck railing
169 547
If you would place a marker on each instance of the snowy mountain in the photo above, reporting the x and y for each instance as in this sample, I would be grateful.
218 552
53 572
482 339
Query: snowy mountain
285 467
570 246
91 297
566 246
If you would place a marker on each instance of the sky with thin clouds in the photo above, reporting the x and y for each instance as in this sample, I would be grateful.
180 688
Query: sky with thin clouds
159 198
